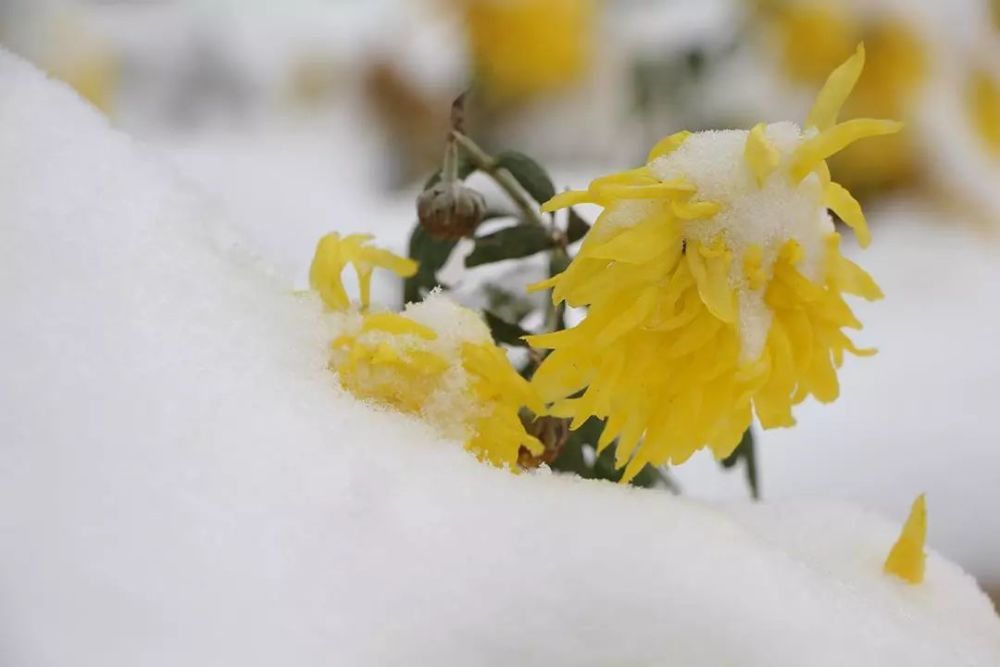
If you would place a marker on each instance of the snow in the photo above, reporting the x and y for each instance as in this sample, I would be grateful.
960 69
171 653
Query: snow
184 483
766 217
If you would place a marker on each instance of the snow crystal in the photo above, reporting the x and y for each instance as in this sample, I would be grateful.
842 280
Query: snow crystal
765 216
184 483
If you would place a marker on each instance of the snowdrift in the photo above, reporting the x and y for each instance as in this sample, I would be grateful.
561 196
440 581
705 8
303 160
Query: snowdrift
182 481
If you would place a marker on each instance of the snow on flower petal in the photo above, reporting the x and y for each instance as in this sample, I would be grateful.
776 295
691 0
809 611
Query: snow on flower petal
437 360
714 285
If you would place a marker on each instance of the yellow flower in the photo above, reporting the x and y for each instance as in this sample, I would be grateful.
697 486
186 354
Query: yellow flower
906 559
80 59
714 285
438 360
334 253
521 48
984 105
815 36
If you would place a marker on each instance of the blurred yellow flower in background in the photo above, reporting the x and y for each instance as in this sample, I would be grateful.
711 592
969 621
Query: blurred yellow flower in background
83 61
714 285
814 36
984 106
522 48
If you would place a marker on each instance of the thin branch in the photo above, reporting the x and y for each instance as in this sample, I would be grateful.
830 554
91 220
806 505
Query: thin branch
488 165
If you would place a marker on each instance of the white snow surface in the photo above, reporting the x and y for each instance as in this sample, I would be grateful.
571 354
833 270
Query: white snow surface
181 481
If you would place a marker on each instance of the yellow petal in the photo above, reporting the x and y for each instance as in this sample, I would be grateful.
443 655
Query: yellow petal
760 154
695 210
847 207
811 153
906 559
566 199
712 276
753 266
397 324
403 267
667 145
836 90
661 190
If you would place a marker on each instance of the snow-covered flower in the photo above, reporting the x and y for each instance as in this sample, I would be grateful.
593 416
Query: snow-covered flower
521 48
436 359
334 252
714 284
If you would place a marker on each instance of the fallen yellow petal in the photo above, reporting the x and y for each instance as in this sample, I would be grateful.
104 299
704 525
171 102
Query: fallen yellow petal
906 560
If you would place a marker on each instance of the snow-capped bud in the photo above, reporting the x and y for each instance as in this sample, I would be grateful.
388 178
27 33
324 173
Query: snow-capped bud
450 210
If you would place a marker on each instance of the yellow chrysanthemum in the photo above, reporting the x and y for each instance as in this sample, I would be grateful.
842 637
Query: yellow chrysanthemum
521 48
438 360
334 252
816 35
435 359
714 285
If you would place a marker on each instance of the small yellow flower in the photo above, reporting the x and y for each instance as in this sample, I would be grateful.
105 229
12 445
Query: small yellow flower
521 48
334 252
907 559
438 360
714 285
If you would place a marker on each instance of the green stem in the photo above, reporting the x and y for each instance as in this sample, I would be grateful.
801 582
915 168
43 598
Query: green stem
488 165
529 213
449 170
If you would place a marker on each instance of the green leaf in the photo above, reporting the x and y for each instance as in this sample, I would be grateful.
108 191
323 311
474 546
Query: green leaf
745 452
431 254
531 175
504 331
571 459
509 243
506 304
576 228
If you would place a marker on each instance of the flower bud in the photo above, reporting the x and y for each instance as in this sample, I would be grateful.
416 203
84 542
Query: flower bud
450 210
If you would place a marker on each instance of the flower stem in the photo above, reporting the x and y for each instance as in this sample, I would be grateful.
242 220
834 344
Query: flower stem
488 165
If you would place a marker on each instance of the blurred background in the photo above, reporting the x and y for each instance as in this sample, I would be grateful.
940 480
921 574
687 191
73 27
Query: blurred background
304 116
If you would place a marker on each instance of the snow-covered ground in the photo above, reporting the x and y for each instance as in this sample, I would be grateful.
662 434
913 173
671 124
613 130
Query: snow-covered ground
184 483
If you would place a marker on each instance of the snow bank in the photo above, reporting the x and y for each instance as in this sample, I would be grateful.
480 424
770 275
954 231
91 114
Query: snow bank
181 481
